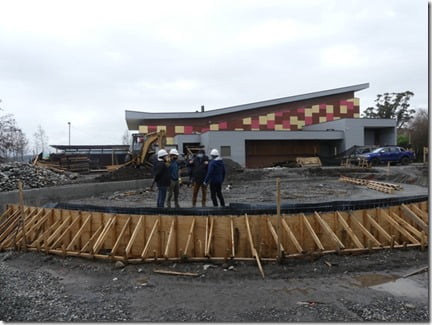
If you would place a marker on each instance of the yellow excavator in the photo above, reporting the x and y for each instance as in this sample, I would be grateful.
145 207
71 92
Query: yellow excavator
142 147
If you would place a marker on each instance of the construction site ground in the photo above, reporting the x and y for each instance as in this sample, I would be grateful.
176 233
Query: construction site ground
374 286
298 185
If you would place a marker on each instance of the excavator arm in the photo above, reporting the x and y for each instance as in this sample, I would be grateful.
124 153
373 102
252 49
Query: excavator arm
151 138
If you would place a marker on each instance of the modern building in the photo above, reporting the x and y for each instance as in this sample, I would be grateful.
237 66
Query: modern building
263 133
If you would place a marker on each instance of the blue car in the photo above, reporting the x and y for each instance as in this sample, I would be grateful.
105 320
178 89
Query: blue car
392 154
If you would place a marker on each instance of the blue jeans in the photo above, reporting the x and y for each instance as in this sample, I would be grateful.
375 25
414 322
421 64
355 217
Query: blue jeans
161 196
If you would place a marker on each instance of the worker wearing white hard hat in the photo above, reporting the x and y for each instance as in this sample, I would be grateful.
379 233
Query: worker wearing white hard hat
174 186
161 176
215 177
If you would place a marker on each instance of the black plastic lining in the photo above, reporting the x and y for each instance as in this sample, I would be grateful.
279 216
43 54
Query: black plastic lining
252 209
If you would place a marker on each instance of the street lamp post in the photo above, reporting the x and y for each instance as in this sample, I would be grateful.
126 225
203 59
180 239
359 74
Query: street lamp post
69 123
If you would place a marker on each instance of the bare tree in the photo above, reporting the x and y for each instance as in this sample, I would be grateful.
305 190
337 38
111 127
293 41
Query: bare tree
40 140
13 141
126 138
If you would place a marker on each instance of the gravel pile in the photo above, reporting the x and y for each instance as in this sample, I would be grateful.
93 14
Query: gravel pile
31 176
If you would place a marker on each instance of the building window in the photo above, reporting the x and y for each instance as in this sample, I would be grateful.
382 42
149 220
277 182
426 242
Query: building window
226 151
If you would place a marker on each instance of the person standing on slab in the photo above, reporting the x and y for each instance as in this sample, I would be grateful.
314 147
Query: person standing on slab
215 177
174 176
161 177
199 167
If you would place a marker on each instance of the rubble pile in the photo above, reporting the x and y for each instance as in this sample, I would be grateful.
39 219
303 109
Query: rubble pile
31 176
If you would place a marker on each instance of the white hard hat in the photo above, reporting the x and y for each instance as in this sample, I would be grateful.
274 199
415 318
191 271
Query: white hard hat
162 153
214 152
174 152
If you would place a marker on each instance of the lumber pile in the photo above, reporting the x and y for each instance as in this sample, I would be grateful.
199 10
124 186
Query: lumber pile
374 185
308 161
75 163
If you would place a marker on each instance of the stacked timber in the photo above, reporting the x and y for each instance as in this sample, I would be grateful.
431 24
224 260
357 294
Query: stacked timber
75 163
374 185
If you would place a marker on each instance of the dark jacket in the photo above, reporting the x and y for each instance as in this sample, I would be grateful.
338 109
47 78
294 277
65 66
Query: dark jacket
216 171
174 170
199 169
161 174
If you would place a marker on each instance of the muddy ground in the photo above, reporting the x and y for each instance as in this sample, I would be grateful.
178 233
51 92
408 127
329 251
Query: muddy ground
298 185
366 287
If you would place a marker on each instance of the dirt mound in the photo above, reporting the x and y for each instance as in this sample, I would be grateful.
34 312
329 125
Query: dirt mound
125 173
231 166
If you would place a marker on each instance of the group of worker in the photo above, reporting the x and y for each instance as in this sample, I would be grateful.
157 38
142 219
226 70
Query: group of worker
202 172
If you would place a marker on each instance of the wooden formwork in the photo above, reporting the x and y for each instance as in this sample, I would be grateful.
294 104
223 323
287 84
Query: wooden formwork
144 238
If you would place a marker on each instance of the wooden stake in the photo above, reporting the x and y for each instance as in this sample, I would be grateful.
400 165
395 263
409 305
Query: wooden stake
418 221
406 225
232 237
380 229
348 229
292 237
120 236
365 232
253 250
147 246
169 239
210 235
134 235
312 233
79 233
175 272
419 212
329 231
278 203
189 237
399 228
274 234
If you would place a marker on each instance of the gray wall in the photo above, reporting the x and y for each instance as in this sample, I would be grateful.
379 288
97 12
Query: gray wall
343 133
236 139
41 196
362 131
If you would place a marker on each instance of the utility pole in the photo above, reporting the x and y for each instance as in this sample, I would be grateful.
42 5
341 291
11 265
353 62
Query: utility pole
69 123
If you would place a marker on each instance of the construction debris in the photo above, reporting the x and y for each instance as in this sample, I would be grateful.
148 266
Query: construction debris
31 176
175 272
308 161
374 185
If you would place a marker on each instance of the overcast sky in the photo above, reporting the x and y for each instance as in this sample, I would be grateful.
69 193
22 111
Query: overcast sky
86 62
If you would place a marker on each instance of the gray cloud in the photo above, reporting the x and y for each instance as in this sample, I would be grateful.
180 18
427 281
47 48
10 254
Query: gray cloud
86 62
